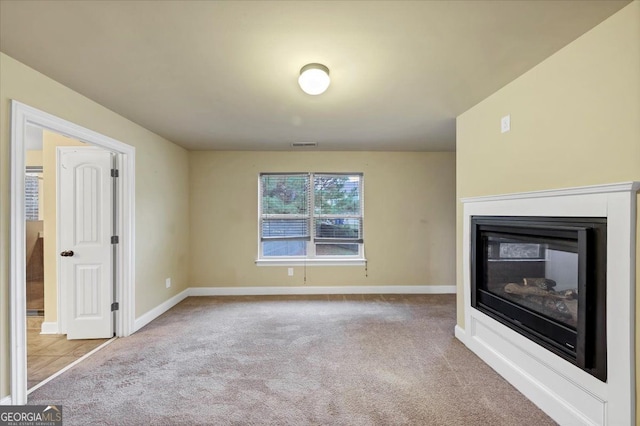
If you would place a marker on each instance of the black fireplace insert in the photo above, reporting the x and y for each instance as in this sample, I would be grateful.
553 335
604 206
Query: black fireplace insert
545 277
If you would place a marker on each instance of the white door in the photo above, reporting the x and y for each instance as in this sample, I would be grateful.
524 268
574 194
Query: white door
85 228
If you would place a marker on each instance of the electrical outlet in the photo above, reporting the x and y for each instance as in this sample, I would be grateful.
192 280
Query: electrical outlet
168 282
290 272
505 123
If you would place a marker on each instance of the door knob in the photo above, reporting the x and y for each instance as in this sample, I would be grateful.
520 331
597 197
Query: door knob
67 253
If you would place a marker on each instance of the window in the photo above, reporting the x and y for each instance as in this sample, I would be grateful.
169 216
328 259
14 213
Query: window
311 217
33 193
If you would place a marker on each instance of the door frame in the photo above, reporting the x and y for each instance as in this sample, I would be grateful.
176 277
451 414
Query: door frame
21 116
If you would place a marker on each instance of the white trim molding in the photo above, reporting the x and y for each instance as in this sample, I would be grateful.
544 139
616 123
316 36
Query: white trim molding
154 313
49 327
562 192
313 290
565 392
22 116
311 262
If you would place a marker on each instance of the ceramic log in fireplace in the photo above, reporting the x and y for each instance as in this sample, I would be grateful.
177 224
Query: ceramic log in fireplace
546 279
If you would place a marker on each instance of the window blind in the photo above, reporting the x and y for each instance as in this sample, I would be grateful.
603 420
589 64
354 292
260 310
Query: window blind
32 198
337 208
285 206
311 215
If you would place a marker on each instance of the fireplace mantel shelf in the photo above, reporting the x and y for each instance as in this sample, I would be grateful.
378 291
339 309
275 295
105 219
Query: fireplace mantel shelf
565 392
563 192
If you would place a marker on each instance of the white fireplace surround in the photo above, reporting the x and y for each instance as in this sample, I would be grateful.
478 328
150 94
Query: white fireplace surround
566 393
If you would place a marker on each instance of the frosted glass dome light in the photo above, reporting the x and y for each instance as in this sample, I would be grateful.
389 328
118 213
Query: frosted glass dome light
314 79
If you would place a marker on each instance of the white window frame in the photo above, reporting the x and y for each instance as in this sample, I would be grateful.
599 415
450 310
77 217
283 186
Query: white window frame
311 259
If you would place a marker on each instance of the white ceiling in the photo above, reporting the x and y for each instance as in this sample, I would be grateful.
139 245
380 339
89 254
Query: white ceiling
223 74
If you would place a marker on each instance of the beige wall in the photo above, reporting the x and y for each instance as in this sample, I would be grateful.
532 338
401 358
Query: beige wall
409 226
50 141
575 121
162 228
34 158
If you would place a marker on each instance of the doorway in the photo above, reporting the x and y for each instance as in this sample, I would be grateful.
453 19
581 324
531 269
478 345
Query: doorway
24 116
56 166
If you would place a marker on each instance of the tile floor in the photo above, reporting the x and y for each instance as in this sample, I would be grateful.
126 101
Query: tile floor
49 353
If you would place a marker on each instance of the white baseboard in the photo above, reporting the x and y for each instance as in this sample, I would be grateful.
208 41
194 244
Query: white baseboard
267 291
154 313
49 328
6 400
460 333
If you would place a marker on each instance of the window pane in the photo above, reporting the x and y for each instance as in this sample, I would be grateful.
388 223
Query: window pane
284 248
338 228
284 194
32 200
285 228
288 206
337 249
335 194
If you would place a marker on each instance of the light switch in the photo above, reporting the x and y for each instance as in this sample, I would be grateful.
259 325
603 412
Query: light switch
505 123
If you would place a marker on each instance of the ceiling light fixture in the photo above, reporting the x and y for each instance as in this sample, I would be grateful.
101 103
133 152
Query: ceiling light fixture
314 79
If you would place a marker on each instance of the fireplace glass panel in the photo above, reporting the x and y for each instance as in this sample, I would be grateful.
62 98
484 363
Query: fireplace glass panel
545 278
541 276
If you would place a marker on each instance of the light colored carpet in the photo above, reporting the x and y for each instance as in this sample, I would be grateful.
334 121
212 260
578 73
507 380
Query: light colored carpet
325 360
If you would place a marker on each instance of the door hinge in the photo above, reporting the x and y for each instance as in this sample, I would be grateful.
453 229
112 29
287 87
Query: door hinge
115 239
115 173
115 306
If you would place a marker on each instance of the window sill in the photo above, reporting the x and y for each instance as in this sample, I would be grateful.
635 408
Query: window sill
311 262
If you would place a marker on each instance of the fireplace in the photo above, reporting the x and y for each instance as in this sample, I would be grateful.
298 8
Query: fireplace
574 245
545 278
